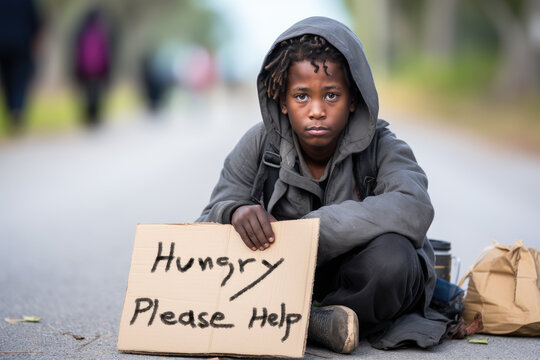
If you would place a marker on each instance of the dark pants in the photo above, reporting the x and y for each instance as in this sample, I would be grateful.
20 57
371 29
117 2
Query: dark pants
16 69
379 281
93 93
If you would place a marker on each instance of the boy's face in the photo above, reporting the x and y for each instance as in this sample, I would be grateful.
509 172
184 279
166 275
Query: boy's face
318 106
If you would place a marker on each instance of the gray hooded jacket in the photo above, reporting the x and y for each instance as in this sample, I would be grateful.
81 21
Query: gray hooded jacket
400 203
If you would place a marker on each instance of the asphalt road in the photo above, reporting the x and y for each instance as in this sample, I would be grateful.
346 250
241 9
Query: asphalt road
69 204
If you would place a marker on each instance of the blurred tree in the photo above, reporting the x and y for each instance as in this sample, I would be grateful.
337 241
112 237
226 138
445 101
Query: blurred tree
440 19
372 24
519 61
466 38
140 24
148 23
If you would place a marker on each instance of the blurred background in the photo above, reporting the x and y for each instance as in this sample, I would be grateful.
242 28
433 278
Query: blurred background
474 64
121 112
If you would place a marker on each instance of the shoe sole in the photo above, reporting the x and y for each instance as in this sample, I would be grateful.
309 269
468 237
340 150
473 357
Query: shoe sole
351 343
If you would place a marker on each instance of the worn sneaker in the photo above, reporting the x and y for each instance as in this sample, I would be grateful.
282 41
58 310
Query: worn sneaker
335 327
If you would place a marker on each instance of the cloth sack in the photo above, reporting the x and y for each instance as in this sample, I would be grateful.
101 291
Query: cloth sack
504 287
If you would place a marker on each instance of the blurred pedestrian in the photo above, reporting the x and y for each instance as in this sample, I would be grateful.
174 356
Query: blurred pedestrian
155 80
201 69
19 28
92 60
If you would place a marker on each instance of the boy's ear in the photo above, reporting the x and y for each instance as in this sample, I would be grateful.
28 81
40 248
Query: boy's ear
282 105
352 106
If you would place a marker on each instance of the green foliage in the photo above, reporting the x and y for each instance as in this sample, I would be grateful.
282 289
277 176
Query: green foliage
474 30
55 112
47 113
517 6
471 73
139 25
61 110
187 21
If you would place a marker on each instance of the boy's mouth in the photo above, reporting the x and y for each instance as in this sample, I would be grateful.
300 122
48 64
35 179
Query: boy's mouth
317 130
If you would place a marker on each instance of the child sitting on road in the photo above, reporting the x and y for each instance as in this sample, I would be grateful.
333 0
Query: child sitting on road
310 158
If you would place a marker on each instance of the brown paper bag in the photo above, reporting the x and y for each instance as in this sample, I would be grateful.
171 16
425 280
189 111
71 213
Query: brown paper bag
504 287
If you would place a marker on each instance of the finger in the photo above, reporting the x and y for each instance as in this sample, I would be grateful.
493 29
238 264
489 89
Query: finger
258 233
251 234
271 218
245 238
264 221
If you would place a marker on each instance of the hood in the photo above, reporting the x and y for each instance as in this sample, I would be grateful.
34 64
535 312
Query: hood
362 122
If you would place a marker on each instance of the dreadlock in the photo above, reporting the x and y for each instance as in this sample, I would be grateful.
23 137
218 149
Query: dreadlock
306 47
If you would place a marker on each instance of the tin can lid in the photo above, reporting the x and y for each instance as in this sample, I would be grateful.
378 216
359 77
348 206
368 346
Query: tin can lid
440 244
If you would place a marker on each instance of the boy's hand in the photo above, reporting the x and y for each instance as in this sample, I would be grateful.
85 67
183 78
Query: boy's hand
252 222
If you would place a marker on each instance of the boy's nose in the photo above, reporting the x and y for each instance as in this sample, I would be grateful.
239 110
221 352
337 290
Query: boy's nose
317 110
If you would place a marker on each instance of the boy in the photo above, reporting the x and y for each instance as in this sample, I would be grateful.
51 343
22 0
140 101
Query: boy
374 275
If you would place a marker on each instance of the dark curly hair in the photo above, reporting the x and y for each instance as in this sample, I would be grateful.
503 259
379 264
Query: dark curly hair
306 47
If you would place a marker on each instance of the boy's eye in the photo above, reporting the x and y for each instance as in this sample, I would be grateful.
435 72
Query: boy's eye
301 97
331 96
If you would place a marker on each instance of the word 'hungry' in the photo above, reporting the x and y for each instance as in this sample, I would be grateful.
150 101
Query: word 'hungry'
208 263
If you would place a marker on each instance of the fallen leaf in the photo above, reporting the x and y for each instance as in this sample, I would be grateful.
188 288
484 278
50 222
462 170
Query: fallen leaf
31 318
12 321
478 341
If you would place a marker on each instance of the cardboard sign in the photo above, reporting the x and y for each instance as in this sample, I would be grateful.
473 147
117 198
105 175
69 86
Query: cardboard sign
198 289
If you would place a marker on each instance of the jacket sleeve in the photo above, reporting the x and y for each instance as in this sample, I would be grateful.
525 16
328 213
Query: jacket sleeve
400 204
236 179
